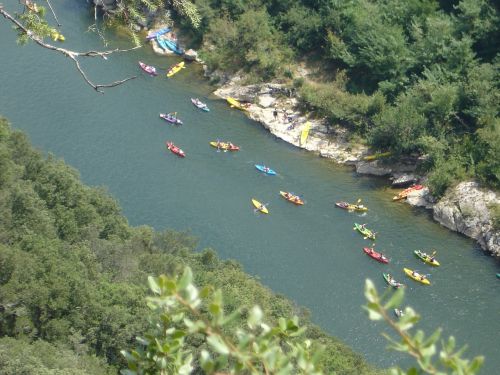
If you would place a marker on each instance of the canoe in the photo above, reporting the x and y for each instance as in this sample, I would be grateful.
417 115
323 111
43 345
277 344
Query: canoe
426 258
405 192
304 133
364 231
265 169
290 197
498 275
417 277
174 149
170 45
351 207
403 181
259 206
342 204
375 255
154 34
198 104
235 104
174 120
377 156
224 146
390 280
175 68
148 68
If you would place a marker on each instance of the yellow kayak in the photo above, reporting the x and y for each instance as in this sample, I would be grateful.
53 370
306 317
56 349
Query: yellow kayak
260 206
224 146
377 156
417 276
176 68
235 104
429 259
304 134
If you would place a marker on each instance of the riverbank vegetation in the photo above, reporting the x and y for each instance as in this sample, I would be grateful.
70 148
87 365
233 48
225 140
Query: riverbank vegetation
73 274
411 77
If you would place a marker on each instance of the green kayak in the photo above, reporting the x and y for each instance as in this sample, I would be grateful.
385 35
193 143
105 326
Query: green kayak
367 233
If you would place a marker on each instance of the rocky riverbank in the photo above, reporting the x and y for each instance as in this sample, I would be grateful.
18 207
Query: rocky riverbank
465 208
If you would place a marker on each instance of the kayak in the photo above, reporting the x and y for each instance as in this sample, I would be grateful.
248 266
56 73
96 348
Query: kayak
259 206
224 146
351 207
405 192
176 150
416 276
290 197
197 103
175 68
426 258
235 104
169 118
364 231
375 255
148 68
498 275
399 313
377 156
390 280
304 133
265 169
170 45
154 34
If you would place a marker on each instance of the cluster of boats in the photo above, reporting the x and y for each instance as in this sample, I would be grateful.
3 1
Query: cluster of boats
151 70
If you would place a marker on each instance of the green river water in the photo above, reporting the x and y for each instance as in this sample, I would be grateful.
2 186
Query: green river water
309 253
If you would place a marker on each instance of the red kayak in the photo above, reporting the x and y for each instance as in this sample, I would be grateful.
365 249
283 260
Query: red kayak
176 150
375 255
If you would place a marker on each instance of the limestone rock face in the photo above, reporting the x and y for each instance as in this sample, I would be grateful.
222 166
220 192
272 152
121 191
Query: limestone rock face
373 168
191 55
465 209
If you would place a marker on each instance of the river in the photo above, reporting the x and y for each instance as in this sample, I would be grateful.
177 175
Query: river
308 253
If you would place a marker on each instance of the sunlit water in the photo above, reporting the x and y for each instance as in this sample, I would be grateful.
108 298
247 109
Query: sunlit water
309 253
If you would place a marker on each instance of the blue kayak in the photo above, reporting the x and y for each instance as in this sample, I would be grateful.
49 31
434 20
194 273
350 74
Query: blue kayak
157 33
265 169
168 44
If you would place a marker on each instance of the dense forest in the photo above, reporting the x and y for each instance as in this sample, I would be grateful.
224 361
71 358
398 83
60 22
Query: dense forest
73 274
415 77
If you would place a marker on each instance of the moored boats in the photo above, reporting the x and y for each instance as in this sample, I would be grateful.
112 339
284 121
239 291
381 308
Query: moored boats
426 258
174 149
155 33
175 69
260 206
148 68
305 133
405 192
169 45
226 146
169 117
292 198
390 280
367 233
265 169
199 104
370 251
412 274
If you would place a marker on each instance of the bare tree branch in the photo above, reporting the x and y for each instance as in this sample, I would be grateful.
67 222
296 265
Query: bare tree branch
73 55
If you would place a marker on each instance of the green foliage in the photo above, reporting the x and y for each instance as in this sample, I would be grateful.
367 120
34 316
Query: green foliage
21 357
182 311
424 349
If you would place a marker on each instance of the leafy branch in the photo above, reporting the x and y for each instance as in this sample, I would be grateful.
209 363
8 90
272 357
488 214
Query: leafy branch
417 345
183 312
34 27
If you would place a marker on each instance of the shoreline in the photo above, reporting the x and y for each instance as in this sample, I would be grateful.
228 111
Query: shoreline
464 209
